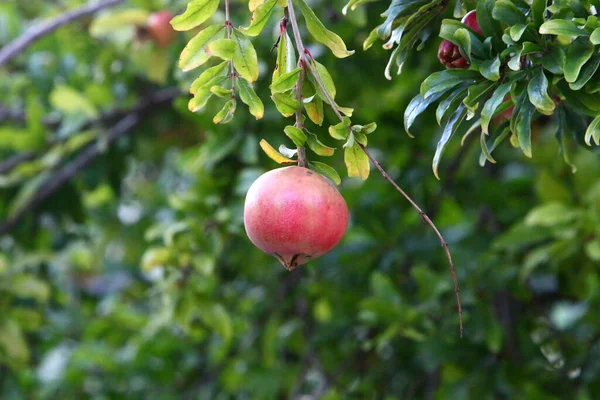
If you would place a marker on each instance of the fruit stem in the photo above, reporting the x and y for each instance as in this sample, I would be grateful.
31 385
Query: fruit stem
291 16
302 55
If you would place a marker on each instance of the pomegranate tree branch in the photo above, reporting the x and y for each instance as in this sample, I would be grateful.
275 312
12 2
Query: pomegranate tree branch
67 172
15 47
228 28
329 99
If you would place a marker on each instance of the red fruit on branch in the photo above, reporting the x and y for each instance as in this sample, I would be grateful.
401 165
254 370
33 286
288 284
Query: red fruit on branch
294 214
160 29
449 55
470 20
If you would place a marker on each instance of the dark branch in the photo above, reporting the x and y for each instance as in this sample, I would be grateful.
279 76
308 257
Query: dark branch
15 47
68 171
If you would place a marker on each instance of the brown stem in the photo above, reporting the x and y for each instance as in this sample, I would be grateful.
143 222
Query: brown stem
17 46
319 81
228 26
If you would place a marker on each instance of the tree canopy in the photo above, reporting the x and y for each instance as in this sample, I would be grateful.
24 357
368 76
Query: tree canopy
131 131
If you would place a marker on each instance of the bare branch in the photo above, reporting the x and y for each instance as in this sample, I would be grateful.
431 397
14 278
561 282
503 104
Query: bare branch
70 170
15 47
319 81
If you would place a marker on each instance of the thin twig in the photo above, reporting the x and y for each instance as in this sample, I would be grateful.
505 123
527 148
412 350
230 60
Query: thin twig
228 27
330 100
15 47
70 170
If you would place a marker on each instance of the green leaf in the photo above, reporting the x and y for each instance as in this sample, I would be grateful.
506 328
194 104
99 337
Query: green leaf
554 60
416 107
286 57
217 318
250 98
70 102
13 344
450 103
562 128
561 27
578 53
285 104
537 89
220 91
443 81
593 132
488 25
327 81
326 171
194 54
320 33
317 147
586 73
245 60
341 130
208 75
595 36
222 48
296 134
366 129
516 31
226 113
285 81
523 127
203 93
487 151
196 13
114 21
29 287
357 162
505 11
451 127
274 154
155 257
490 69
463 40
260 17
538 9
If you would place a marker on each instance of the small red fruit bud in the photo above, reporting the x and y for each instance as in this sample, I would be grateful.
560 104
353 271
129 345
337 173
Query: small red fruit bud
449 55
160 29
470 20
294 214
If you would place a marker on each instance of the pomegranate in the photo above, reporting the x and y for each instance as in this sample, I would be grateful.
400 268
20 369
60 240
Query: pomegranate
470 20
160 29
294 214
449 54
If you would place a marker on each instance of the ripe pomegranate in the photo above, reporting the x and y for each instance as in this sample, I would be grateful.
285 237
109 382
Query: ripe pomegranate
470 20
449 54
160 29
295 214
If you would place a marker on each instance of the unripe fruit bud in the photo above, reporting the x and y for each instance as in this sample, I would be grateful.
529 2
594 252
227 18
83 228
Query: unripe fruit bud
470 20
294 214
160 29
449 55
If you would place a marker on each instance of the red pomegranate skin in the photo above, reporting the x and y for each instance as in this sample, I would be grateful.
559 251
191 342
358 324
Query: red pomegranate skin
470 20
294 214
160 29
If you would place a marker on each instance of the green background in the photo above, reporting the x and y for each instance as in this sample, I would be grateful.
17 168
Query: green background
136 279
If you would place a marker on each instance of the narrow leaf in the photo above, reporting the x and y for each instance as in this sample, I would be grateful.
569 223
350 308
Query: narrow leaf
523 127
561 27
322 34
194 55
195 14
245 60
537 89
593 132
416 106
449 130
579 52
208 75
286 57
274 154
250 98
297 135
260 17
326 171
490 106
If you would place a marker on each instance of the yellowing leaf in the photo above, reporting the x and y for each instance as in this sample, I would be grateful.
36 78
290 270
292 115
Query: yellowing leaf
260 17
245 60
250 98
195 14
357 162
322 34
194 54
70 101
274 154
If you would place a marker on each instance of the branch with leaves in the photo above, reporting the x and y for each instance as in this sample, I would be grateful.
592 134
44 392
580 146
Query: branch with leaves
300 87
36 32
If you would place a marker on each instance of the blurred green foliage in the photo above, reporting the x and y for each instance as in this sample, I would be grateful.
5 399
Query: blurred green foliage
136 280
